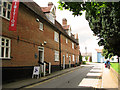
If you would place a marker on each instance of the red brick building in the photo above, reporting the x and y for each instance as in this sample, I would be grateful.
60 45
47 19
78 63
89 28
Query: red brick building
39 38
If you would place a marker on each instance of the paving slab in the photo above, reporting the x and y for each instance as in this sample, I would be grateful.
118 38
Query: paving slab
89 82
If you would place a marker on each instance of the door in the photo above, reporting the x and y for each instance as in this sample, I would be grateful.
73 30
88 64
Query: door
69 61
41 56
99 56
63 61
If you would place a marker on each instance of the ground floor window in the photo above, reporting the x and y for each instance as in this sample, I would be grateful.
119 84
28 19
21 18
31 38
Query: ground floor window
56 55
4 47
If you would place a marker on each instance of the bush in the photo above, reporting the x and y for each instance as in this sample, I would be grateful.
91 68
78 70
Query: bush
83 62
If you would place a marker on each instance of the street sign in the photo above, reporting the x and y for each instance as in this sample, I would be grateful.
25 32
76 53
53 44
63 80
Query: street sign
36 71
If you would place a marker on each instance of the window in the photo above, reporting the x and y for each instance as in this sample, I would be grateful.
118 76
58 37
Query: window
76 59
56 36
72 45
41 26
66 40
50 16
4 47
5 9
67 55
73 58
56 55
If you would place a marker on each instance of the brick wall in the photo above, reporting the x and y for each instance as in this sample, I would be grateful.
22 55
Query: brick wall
30 36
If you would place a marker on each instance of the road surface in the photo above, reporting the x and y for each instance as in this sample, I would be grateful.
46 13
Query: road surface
87 76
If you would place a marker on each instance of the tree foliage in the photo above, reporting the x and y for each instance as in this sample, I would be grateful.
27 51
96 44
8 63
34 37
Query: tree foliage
106 54
104 21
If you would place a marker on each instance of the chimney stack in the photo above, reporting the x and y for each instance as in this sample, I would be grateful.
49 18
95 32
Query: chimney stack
50 4
77 36
64 21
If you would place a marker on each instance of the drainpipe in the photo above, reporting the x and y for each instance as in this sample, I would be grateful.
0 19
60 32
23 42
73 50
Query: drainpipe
60 48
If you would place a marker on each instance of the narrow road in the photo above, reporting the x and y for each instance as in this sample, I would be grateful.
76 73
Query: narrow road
87 76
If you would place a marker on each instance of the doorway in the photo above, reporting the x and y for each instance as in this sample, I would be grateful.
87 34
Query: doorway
69 61
63 61
41 56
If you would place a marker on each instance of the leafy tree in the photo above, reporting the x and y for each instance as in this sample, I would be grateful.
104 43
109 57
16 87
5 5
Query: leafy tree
106 54
86 57
80 58
104 21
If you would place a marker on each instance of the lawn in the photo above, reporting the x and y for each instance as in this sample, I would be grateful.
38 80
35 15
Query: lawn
116 67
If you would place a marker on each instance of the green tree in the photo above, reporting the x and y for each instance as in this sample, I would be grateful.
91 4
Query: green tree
86 57
106 54
104 21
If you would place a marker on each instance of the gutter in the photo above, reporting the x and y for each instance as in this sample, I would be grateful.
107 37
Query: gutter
60 49
51 24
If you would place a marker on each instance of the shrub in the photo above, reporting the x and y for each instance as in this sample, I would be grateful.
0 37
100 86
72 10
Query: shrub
83 62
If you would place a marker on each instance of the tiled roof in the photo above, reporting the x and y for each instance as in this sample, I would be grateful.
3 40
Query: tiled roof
66 27
46 9
37 9
98 50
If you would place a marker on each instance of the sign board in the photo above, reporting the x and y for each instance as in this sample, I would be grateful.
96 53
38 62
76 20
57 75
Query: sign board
36 70
13 17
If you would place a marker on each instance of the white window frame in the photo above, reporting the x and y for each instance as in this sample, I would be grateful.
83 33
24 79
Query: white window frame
56 36
66 40
67 55
56 55
41 26
73 57
72 45
6 8
1 46
50 17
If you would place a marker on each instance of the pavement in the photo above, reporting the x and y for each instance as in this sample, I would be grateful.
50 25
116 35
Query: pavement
31 81
108 79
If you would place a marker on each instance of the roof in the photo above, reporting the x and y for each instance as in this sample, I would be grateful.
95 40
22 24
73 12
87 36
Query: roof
46 9
66 27
37 9
98 50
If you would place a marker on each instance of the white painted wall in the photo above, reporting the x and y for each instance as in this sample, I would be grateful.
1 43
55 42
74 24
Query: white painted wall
83 59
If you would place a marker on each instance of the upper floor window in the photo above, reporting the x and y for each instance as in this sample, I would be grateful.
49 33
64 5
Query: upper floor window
67 55
72 45
4 47
66 40
73 58
50 16
56 36
41 26
56 55
5 9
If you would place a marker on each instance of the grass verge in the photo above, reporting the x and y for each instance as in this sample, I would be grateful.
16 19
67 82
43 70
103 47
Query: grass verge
116 67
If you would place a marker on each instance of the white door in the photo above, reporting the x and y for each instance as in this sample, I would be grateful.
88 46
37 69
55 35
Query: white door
41 56
63 61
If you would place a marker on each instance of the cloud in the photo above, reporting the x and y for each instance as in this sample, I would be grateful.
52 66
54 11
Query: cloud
78 25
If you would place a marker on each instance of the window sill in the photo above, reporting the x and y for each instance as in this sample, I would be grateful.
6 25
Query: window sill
56 61
5 18
41 29
5 58
57 41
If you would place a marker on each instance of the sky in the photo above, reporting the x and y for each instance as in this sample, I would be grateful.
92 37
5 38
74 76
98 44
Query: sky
78 25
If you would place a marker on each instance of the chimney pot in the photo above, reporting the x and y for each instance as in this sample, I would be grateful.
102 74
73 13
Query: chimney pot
64 21
50 4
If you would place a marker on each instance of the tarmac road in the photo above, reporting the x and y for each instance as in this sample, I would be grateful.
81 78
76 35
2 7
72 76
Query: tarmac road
71 79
